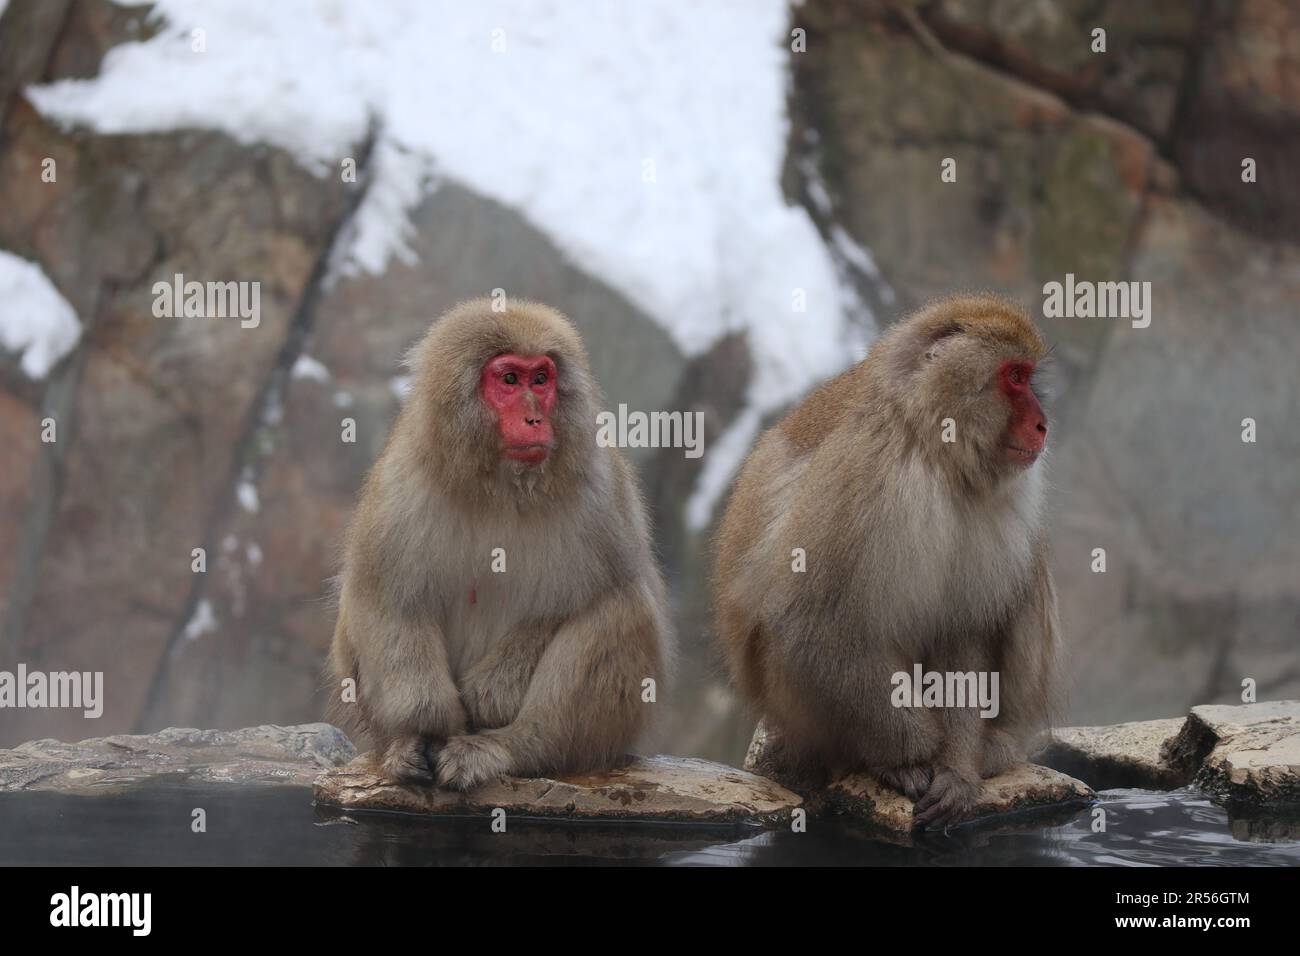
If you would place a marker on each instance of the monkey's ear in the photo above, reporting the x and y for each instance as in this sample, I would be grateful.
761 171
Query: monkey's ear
938 339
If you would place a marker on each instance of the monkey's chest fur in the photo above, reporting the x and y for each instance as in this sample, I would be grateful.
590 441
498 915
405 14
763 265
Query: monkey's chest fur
497 573
913 571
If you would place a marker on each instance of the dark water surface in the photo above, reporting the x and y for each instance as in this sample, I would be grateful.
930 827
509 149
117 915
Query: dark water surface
150 825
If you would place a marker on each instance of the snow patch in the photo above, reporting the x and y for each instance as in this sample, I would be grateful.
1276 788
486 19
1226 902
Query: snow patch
35 320
380 229
307 367
203 622
246 492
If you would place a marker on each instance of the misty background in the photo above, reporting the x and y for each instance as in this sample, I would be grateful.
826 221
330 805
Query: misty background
729 200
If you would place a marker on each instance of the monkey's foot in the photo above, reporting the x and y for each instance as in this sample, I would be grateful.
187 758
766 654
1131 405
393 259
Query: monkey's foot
950 797
411 760
471 760
912 782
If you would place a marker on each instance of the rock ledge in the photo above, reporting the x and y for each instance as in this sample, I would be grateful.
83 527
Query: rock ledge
1246 756
265 754
1120 755
651 789
1024 787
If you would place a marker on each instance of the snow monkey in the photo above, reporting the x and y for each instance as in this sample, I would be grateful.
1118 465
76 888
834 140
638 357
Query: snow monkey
500 608
913 485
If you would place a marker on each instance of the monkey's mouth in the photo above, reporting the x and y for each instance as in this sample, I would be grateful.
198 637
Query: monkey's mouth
1023 456
528 454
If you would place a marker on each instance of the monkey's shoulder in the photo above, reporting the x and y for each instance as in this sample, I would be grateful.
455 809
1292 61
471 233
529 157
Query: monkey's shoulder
826 409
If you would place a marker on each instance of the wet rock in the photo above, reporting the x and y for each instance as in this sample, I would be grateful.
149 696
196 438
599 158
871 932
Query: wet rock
266 754
1148 47
91 29
1202 587
1022 788
662 789
29 30
1243 101
1122 755
1041 189
1247 756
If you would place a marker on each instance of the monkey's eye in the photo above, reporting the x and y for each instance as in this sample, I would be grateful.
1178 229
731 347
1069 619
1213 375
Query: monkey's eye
510 378
540 379
1017 376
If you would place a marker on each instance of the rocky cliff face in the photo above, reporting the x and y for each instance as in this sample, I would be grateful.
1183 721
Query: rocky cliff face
1123 165
155 419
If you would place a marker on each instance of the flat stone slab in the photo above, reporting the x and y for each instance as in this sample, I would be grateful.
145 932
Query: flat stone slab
266 754
1121 755
651 789
1247 756
1021 788
1024 787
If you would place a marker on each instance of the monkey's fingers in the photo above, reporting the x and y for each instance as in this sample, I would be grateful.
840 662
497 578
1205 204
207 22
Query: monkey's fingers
472 759
410 760
912 782
948 800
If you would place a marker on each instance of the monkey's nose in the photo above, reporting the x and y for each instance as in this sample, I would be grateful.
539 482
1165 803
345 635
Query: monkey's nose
538 421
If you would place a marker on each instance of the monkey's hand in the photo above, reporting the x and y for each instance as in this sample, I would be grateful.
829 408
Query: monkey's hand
949 799
473 759
410 759
912 782
417 736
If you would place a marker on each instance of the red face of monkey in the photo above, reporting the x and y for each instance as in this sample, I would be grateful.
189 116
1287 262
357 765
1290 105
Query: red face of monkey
1027 429
520 390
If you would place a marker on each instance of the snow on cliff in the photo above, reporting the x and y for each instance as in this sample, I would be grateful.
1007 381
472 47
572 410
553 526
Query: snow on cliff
645 138
35 320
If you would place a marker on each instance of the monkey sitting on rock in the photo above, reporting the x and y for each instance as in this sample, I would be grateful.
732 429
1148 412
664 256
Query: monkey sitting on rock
913 486
500 608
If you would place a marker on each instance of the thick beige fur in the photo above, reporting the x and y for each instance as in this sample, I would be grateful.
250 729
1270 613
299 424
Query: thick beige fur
917 551
466 674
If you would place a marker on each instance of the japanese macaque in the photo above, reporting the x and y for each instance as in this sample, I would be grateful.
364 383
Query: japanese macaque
894 521
500 609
